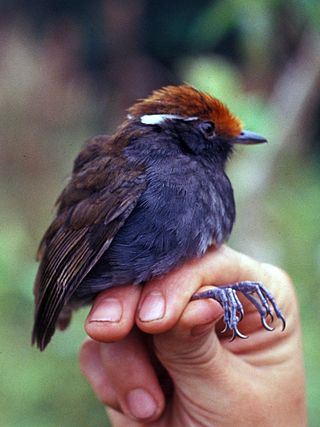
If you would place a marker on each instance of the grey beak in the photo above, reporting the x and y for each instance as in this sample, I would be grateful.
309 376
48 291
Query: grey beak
247 137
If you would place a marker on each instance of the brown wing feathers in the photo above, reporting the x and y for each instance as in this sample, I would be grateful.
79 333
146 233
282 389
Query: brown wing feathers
88 219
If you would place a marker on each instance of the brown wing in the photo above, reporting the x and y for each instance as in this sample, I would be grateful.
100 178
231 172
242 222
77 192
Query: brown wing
101 194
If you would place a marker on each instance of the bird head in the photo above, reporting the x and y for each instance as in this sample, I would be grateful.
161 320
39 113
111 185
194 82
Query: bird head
191 109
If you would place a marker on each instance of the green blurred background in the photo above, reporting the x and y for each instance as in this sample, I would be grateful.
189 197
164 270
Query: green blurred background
68 70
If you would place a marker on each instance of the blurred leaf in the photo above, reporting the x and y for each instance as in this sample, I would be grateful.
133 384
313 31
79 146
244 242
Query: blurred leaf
213 23
311 8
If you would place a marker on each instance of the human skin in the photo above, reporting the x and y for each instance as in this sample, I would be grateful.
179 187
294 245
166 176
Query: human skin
246 382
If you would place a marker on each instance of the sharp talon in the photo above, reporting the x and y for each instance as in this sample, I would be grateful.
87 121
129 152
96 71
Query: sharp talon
265 324
271 317
241 315
224 330
237 333
240 335
233 336
255 293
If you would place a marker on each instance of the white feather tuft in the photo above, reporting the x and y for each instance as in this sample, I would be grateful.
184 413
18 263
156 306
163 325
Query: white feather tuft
156 119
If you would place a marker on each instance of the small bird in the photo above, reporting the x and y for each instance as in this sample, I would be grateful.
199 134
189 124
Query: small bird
141 202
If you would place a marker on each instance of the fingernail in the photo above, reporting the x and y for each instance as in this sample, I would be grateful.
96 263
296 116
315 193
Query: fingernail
141 404
108 310
153 307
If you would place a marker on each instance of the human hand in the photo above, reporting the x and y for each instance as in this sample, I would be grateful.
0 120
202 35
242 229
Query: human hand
258 381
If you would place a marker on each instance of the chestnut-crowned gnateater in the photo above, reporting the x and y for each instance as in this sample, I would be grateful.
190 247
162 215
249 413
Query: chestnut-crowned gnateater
141 202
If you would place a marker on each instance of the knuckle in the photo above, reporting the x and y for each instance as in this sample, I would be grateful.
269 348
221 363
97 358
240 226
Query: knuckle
277 273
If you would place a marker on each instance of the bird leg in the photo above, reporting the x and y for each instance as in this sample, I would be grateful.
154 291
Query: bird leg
255 292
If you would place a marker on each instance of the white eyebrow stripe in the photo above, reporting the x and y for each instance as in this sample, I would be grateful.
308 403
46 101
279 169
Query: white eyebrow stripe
155 119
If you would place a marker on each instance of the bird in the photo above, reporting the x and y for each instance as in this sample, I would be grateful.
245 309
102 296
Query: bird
140 203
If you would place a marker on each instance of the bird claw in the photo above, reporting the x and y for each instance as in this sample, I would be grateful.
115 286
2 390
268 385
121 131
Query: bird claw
265 324
237 333
271 316
233 309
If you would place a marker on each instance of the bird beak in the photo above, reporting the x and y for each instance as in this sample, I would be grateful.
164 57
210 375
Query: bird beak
247 137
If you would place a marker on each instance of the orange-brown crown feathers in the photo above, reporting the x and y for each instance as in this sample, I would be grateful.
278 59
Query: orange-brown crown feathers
187 101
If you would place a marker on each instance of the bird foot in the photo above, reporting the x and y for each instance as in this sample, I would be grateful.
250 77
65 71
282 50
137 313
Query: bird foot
255 292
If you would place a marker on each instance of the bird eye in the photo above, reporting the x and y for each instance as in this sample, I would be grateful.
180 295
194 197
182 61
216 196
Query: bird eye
208 129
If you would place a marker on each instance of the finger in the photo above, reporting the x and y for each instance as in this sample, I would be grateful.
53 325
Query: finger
119 420
193 356
112 315
187 338
195 324
92 368
225 266
263 344
130 376
163 300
